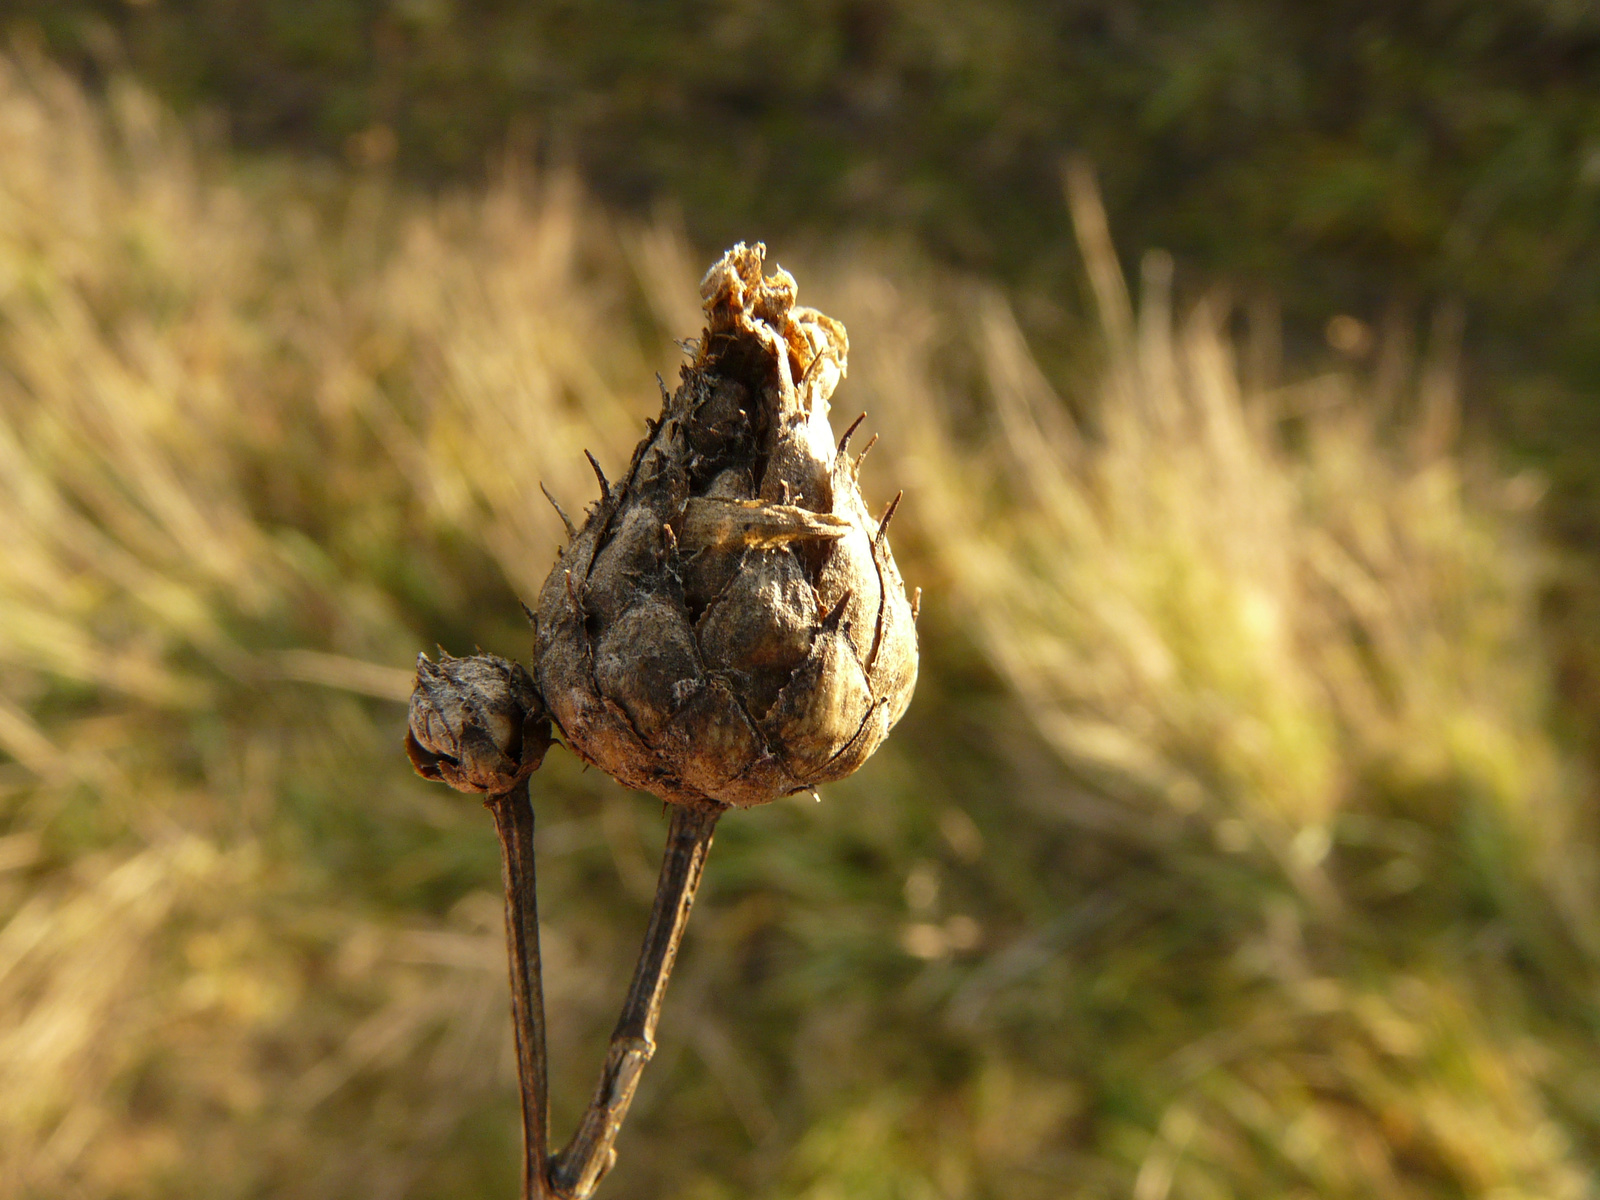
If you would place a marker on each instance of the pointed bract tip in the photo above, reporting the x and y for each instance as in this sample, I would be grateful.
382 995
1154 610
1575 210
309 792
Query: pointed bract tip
816 361
844 441
572 532
605 484
888 515
866 450
834 617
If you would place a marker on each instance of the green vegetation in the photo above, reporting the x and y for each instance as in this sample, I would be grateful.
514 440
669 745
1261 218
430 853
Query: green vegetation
1411 165
1341 154
1226 850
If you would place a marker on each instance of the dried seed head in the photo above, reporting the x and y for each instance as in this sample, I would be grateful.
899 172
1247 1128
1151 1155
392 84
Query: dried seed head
729 626
476 723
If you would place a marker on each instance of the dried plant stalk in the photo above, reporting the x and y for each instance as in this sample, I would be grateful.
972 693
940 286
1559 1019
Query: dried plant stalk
577 1170
513 822
727 627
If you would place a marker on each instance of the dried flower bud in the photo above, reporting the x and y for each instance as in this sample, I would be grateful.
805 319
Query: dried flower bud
729 625
476 723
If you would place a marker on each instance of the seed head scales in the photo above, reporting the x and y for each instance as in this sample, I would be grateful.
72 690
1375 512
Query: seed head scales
729 626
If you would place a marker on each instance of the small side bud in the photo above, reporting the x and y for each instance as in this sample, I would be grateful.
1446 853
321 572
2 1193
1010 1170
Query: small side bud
476 723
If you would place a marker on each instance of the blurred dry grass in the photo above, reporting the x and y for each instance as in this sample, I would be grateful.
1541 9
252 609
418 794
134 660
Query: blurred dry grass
1226 851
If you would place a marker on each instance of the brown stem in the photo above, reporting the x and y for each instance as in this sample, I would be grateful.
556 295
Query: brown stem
513 821
578 1169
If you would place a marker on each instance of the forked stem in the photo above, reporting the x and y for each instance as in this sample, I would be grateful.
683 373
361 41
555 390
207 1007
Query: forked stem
578 1169
513 821
574 1173
477 724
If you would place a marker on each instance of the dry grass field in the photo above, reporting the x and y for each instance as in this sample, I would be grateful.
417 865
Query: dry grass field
1226 850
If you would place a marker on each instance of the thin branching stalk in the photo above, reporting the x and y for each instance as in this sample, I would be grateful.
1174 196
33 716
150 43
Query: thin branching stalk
578 1169
513 821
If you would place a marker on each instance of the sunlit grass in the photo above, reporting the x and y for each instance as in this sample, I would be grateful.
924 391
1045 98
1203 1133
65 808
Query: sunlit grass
1225 851
1287 646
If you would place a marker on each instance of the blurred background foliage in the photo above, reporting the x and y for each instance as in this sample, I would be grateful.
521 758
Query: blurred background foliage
1240 841
1402 164
1340 157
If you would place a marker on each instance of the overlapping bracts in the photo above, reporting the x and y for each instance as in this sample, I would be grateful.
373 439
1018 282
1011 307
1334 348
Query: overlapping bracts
729 626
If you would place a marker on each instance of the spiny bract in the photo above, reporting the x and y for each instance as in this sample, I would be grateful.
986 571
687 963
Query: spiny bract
729 625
